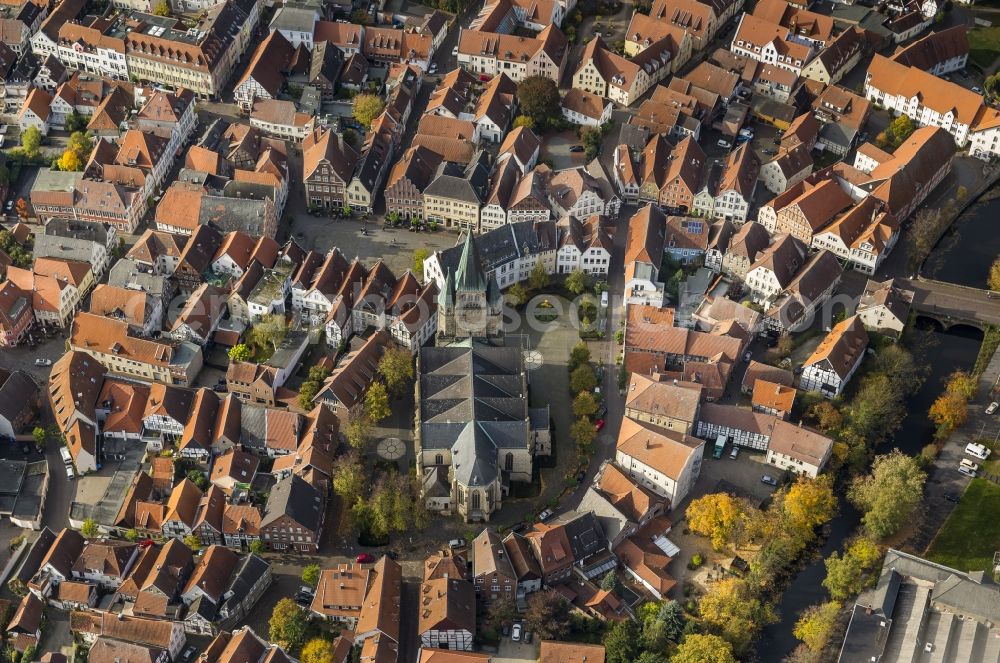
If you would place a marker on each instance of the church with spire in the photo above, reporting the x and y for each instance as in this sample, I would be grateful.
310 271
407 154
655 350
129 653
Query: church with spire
470 304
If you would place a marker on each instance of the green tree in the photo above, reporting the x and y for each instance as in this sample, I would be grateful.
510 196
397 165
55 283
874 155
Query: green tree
622 643
39 434
548 615
257 547
889 494
538 98
288 624
367 107
317 650
582 378
75 122
359 427
310 575
89 528
517 295
31 141
239 352
419 256
539 278
377 402
577 282
579 355
132 535
396 368
698 648
609 581
584 405
311 386
503 611
671 615
348 477
816 625
196 477
162 8
847 575
583 433
269 330
192 542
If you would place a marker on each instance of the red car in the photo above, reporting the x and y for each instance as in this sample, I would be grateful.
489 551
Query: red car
365 558
598 425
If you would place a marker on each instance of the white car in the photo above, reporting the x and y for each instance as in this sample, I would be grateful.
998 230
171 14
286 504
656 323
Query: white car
977 90
992 407
968 468
454 52
722 142
978 450
69 472
515 633
456 543
434 67
43 362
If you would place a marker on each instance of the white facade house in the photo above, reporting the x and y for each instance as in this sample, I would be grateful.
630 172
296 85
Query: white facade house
932 101
665 462
836 359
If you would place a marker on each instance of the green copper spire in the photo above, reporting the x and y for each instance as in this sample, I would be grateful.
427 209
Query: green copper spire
469 276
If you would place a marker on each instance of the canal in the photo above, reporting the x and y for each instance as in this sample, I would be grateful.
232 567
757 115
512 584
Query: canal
943 354
965 253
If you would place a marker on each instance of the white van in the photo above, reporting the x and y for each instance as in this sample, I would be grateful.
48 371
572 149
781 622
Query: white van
977 450
67 459
604 299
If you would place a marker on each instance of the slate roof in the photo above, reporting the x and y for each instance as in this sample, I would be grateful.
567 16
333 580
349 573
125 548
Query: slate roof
474 402
297 499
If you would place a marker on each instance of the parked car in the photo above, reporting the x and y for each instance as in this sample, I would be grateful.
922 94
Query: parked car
518 528
952 497
365 558
545 515
734 452
515 633
43 362
723 143
454 52
456 543
769 480
576 148
977 89
968 468
598 425
769 152
527 636
188 653
992 408
581 475
434 67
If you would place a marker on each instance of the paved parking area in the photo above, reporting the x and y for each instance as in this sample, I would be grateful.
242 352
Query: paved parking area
555 148
744 472
515 652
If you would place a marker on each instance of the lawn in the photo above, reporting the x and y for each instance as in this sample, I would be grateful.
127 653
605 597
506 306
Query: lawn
971 534
984 46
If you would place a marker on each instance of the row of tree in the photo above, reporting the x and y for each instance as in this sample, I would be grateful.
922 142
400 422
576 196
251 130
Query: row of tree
582 380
